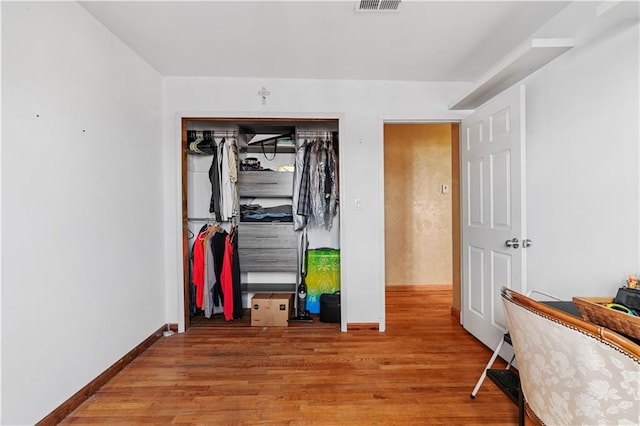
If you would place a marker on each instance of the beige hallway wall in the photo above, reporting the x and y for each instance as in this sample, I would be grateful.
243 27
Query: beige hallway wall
418 219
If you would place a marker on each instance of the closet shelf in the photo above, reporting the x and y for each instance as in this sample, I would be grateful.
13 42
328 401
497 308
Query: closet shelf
269 287
268 149
523 61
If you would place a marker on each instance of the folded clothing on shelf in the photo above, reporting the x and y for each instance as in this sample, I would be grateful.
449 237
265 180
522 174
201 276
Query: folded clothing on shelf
257 213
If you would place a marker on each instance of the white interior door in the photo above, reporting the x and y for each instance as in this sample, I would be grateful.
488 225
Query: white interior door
492 167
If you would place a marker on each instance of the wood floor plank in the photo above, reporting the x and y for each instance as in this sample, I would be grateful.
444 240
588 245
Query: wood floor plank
420 371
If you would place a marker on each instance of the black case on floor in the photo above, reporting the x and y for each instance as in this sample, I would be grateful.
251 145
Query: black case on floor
330 307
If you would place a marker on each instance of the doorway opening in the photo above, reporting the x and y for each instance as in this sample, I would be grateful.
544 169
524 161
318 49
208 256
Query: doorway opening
422 207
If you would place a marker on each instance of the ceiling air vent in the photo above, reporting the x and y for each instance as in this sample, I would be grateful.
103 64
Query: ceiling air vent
377 5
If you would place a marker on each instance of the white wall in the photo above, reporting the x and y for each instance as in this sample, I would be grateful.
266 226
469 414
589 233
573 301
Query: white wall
583 154
82 237
360 106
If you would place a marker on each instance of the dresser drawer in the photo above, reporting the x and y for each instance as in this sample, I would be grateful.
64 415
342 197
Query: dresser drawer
268 260
265 184
267 235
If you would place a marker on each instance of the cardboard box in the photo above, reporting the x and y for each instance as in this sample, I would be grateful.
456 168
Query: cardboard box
271 309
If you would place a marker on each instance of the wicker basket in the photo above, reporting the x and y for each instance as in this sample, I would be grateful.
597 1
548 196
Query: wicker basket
594 309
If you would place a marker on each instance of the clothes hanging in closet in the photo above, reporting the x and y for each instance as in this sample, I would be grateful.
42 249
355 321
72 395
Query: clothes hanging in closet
214 178
198 266
302 191
223 176
201 142
210 277
226 279
316 189
197 272
204 277
216 273
238 312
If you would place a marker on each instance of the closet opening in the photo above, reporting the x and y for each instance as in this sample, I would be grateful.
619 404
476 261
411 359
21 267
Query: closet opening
422 207
260 216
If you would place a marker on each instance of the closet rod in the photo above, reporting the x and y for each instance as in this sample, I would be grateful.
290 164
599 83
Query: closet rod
315 134
212 219
215 132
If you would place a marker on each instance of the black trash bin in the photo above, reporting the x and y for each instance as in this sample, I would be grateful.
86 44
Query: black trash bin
330 307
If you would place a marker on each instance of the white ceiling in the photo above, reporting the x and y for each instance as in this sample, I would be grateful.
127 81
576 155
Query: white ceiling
422 41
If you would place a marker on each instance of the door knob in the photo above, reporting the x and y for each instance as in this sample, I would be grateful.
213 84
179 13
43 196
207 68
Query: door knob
526 243
513 243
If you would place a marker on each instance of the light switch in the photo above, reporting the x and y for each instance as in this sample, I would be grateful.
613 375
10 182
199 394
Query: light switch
357 203
445 189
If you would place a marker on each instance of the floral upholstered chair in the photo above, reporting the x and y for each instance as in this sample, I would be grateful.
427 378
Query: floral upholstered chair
572 372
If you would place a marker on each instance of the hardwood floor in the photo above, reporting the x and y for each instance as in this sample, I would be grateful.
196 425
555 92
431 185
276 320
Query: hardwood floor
420 371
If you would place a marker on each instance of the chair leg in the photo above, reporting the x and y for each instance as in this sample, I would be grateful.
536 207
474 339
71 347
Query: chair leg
510 362
521 414
496 352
